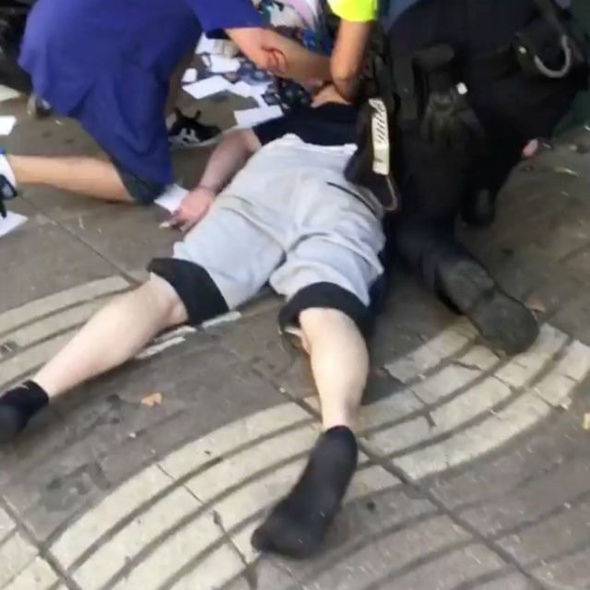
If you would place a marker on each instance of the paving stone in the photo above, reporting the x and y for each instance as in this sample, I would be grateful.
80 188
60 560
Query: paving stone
53 304
574 318
556 535
39 575
96 523
6 524
472 441
72 263
445 382
462 567
570 571
531 499
525 366
515 581
444 345
15 554
130 239
146 528
580 262
390 554
447 417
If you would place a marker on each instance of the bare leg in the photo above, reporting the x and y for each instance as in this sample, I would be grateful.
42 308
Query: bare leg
298 524
92 177
114 335
339 361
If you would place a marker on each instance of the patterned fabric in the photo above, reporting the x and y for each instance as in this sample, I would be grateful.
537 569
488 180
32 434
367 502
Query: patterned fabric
285 17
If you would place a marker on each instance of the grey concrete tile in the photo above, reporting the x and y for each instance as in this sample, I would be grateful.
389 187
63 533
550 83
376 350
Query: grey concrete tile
557 535
520 478
127 235
574 318
41 259
570 571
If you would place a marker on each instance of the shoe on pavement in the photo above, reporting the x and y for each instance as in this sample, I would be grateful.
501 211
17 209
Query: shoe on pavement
7 183
188 132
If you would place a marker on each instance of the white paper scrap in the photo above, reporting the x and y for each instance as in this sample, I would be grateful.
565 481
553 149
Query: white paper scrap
219 64
171 198
216 47
251 117
7 125
241 88
7 93
208 87
10 223
190 76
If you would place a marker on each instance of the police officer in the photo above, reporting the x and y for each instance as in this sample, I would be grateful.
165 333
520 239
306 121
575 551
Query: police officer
465 83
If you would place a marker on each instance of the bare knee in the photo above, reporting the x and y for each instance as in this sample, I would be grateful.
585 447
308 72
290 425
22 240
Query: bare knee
162 294
324 323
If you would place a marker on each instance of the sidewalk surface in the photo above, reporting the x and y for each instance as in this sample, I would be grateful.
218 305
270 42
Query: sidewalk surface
475 471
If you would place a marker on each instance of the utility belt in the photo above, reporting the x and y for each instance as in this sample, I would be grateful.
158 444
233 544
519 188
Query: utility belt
550 47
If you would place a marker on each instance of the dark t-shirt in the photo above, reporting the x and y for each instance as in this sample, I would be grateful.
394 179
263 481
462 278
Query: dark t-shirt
329 125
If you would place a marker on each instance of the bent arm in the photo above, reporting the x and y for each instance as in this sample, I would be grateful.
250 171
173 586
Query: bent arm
228 159
348 57
283 57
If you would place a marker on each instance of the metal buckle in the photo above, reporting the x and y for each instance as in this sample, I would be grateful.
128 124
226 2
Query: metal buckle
568 53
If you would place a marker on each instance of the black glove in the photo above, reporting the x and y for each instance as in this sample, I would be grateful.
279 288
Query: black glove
449 122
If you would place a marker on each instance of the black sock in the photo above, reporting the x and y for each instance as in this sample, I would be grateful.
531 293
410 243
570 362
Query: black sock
18 406
298 524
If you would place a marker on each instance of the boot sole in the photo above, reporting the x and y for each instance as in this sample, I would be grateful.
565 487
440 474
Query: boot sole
502 320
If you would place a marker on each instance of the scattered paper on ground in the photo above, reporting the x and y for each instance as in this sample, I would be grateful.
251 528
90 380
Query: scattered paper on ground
219 64
251 117
190 76
171 198
7 124
12 222
216 47
154 399
587 422
7 93
208 87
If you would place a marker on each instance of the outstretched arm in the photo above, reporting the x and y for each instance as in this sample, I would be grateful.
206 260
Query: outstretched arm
225 162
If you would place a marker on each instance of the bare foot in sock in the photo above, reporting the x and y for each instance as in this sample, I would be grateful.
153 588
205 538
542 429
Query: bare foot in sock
18 406
297 525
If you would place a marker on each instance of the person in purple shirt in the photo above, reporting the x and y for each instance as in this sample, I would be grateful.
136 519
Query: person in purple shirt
108 64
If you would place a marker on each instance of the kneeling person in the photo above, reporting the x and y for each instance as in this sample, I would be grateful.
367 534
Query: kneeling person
273 206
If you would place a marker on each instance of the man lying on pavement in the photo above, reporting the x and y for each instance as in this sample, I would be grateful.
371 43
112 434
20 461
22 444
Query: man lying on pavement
273 206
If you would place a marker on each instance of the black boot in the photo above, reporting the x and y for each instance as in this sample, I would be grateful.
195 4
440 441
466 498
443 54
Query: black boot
502 320
479 209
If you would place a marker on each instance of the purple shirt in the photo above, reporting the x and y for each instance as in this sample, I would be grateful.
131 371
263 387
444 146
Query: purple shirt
108 63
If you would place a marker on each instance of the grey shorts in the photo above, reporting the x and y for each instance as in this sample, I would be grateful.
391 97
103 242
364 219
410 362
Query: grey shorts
291 219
